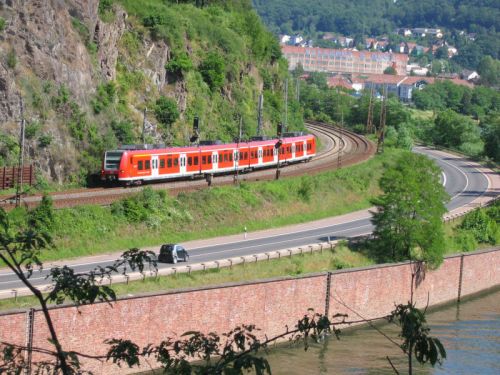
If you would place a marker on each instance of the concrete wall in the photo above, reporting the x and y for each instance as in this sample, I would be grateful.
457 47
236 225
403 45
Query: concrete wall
271 305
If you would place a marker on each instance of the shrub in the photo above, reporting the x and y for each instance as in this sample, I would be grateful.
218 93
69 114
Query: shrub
11 59
44 140
213 71
2 24
465 241
105 96
179 64
42 217
166 111
32 129
481 226
124 131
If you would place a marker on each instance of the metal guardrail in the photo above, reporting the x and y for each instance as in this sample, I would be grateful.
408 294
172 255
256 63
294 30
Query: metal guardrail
188 268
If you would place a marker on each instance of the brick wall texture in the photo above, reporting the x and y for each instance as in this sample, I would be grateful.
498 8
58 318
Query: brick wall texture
271 305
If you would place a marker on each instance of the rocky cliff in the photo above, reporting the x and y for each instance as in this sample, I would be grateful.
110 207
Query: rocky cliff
86 71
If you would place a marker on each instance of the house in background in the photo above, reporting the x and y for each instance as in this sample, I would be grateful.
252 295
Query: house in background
314 59
284 39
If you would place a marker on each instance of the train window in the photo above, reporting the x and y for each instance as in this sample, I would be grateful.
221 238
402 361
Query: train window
139 165
246 155
148 165
203 159
195 160
169 163
225 157
231 157
176 162
190 161
162 163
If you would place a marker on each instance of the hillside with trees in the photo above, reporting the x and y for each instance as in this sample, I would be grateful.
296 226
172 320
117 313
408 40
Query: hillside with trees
378 17
88 71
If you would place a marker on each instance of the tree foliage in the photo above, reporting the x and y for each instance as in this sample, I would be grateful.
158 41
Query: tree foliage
166 111
491 136
408 220
213 71
384 16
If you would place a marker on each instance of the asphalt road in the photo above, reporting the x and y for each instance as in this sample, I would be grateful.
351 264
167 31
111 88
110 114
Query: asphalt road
463 182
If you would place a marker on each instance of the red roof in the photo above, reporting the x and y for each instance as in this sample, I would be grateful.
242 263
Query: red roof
339 81
355 54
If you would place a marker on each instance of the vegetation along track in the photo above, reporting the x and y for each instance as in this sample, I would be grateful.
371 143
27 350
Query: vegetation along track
340 148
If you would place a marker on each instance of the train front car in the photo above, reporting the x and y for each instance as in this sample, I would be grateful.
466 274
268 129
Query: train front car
111 165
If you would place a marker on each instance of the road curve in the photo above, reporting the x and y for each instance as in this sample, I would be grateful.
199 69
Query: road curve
467 183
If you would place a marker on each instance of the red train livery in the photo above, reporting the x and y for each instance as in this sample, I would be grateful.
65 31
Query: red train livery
134 165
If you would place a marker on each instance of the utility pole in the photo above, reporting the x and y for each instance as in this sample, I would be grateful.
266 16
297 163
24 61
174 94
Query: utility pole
339 159
144 126
238 154
383 115
19 187
285 125
297 90
369 120
260 117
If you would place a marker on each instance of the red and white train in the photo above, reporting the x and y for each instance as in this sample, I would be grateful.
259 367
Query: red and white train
131 165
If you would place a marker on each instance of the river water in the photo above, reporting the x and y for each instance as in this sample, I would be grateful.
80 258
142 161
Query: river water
470 333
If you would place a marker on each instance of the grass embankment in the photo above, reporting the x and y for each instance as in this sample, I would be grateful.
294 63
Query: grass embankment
153 218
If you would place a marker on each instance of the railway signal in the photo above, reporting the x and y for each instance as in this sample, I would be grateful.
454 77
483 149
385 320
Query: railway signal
196 130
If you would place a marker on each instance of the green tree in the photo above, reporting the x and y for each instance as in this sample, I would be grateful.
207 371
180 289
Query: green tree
489 70
179 64
390 70
408 220
483 227
491 136
213 71
453 130
166 111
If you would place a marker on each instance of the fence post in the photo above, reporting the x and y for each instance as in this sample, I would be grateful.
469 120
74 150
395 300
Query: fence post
460 278
30 320
327 293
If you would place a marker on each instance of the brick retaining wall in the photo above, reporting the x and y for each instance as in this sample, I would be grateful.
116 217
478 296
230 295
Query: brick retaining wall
271 305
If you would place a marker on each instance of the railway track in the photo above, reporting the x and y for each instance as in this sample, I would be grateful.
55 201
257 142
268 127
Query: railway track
341 148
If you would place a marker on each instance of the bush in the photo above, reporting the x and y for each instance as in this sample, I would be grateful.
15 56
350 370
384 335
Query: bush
465 241
179 64
213 71
481 226
123 131
2 24
11 59
42 217
105 96
44 140
166 111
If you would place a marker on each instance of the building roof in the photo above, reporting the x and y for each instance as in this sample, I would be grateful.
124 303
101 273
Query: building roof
387 79
339 81
355 54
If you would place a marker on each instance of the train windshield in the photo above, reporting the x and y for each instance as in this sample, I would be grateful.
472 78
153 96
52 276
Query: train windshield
112 160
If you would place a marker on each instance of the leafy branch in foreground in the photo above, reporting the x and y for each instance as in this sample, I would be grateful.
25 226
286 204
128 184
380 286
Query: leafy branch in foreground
20 247
231 353
415 335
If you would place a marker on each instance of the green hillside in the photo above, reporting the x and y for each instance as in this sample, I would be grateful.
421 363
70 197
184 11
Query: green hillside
100 65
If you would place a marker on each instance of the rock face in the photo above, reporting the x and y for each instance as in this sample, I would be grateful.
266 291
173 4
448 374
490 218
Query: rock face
107 36
63 43
41 35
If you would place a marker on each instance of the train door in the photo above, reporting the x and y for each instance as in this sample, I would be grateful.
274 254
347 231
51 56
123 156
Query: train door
293 151
215 160
259 154
154 166
182 164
